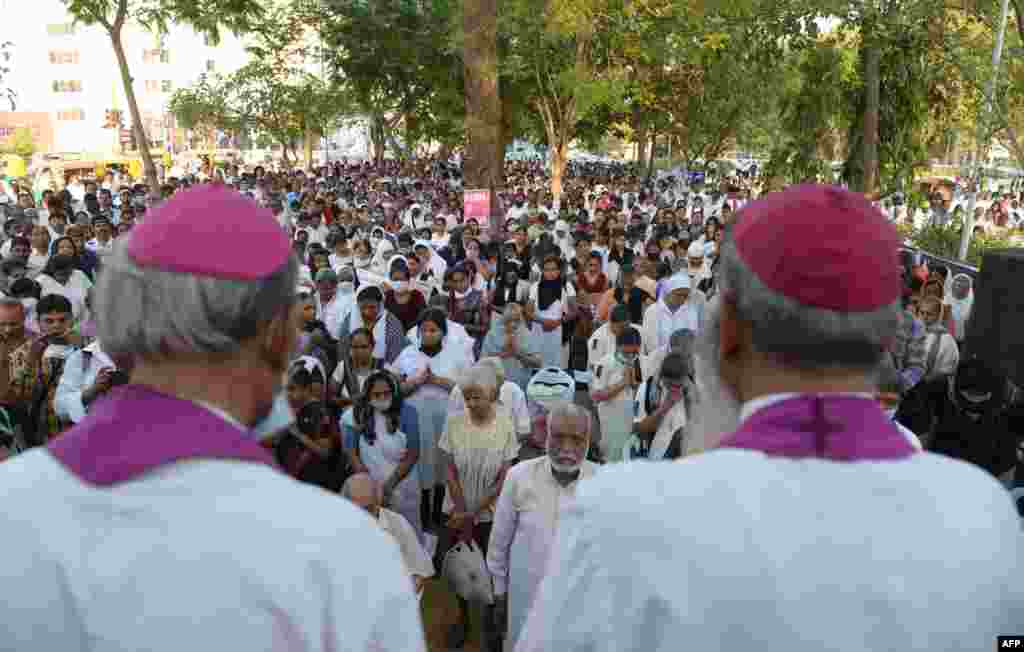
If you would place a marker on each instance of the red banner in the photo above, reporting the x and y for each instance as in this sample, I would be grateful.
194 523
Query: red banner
476 204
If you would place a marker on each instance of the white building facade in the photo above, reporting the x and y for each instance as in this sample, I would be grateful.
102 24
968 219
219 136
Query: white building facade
69 71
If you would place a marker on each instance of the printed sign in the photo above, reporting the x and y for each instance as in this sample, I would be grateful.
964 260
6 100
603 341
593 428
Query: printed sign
476 204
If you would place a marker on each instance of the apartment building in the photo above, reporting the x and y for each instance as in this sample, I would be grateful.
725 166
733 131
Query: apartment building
68 71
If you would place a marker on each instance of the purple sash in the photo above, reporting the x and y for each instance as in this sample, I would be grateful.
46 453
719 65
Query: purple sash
835 427
136 429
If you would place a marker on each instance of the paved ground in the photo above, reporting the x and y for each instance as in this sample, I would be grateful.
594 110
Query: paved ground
440 609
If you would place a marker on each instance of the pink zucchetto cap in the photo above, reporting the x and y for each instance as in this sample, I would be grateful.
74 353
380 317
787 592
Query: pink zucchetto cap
210 231
823 247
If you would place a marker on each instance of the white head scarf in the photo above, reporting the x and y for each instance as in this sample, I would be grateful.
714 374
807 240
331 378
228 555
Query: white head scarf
961 308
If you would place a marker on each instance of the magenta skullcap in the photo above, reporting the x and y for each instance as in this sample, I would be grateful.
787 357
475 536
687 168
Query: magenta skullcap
211 230
823 247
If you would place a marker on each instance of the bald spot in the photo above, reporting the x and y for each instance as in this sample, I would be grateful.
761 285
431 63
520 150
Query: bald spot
362 490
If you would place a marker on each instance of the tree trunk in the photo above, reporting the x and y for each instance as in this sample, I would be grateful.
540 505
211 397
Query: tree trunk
641 145
133 107
869 139
307 145
559 154
484 162
654 150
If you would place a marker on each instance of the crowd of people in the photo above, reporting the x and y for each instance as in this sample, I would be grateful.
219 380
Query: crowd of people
460 382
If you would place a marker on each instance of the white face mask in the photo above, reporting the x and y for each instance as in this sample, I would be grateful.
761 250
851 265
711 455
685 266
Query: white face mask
381 406
400 286
362 262
461 295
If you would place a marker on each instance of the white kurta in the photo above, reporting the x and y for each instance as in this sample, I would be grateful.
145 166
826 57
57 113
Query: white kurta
416 559
525 523
660 322
179 560
769 553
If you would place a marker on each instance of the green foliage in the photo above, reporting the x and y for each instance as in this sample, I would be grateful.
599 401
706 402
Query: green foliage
944 241
395 61
206 16
274 95
23 144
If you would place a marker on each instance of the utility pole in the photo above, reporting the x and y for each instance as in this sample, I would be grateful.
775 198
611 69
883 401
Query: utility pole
983 135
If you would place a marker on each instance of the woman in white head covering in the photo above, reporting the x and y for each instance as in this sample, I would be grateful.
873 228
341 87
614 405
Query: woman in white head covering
960 301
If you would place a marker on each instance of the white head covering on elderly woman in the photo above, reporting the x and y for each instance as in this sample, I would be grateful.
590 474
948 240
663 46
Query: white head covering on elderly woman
146 488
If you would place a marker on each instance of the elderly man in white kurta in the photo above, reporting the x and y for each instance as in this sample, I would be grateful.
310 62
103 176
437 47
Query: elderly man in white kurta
814 524
526 517
159 522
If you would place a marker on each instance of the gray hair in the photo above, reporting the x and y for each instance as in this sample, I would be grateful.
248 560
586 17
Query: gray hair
480 375
498 366
151 312
567 410
797 336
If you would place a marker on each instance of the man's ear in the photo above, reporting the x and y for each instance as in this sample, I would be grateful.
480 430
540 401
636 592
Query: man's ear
729 331
280 339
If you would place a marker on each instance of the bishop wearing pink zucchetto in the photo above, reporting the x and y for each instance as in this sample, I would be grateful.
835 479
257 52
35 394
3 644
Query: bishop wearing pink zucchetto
159 522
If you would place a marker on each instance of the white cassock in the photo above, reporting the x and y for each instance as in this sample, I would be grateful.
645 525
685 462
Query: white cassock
525 522
163 527
816 526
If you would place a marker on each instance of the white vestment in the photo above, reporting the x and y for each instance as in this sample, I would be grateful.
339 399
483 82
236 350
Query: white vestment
525 522
197 555
734 549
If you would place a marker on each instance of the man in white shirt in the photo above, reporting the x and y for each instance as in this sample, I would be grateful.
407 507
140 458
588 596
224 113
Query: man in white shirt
526 516
88 374
365 492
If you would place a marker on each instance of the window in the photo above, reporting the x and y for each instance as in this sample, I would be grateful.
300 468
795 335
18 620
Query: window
166 86
210 65
156 56
58 57
66 86
60 29
71 114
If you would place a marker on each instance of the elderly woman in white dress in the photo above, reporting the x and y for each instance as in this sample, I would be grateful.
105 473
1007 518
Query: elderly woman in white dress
477 449
552 300
427 372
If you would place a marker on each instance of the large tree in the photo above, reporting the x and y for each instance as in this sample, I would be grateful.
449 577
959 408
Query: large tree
207 17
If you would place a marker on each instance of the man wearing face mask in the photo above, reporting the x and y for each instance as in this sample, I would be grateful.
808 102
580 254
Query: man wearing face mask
526 517
210 335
